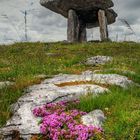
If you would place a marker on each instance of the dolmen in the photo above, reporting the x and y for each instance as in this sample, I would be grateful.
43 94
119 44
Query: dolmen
83 14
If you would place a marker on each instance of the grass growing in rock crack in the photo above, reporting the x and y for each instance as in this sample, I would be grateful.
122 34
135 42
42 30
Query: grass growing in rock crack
22 62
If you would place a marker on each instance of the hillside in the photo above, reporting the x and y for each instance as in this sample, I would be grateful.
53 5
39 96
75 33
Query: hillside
26 64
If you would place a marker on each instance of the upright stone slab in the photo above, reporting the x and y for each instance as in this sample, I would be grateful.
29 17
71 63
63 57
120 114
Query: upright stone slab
103 25
72 31
82 35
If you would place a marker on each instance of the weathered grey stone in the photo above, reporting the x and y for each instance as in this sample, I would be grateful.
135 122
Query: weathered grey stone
111 79
103 25
42 93
97 60
95 118
5 84
48 91
73 26
86 9
23 119
63 6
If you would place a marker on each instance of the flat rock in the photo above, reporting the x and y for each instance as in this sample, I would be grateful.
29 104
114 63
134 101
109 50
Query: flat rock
86 9
62 6
95 118
97 60
48 91
108 79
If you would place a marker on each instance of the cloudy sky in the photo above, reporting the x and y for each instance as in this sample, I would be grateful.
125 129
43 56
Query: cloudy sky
45 25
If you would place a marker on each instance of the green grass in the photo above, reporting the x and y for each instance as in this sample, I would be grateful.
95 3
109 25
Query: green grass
122 108
21 62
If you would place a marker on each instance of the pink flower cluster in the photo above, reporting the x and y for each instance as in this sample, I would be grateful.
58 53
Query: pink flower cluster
60 123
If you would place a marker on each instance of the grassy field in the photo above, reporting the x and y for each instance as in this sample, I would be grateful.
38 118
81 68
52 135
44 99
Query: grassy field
22 62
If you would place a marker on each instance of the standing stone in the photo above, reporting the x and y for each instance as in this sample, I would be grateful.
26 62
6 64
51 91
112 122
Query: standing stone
82 37
72 30
103 25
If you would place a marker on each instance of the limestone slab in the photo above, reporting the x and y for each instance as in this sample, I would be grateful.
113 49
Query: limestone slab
26 124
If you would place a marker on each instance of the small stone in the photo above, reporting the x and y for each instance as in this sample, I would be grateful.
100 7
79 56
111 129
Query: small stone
95 118
98 60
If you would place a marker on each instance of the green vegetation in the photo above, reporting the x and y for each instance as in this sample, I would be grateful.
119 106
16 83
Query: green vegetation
21 62
122 108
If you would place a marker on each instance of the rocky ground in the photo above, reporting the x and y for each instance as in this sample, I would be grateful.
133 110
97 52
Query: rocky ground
59 88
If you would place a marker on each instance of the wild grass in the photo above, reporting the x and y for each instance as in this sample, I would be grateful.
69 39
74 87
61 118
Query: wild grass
122 109
22 62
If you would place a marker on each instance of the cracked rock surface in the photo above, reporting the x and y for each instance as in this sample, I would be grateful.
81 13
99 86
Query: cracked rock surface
48 91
